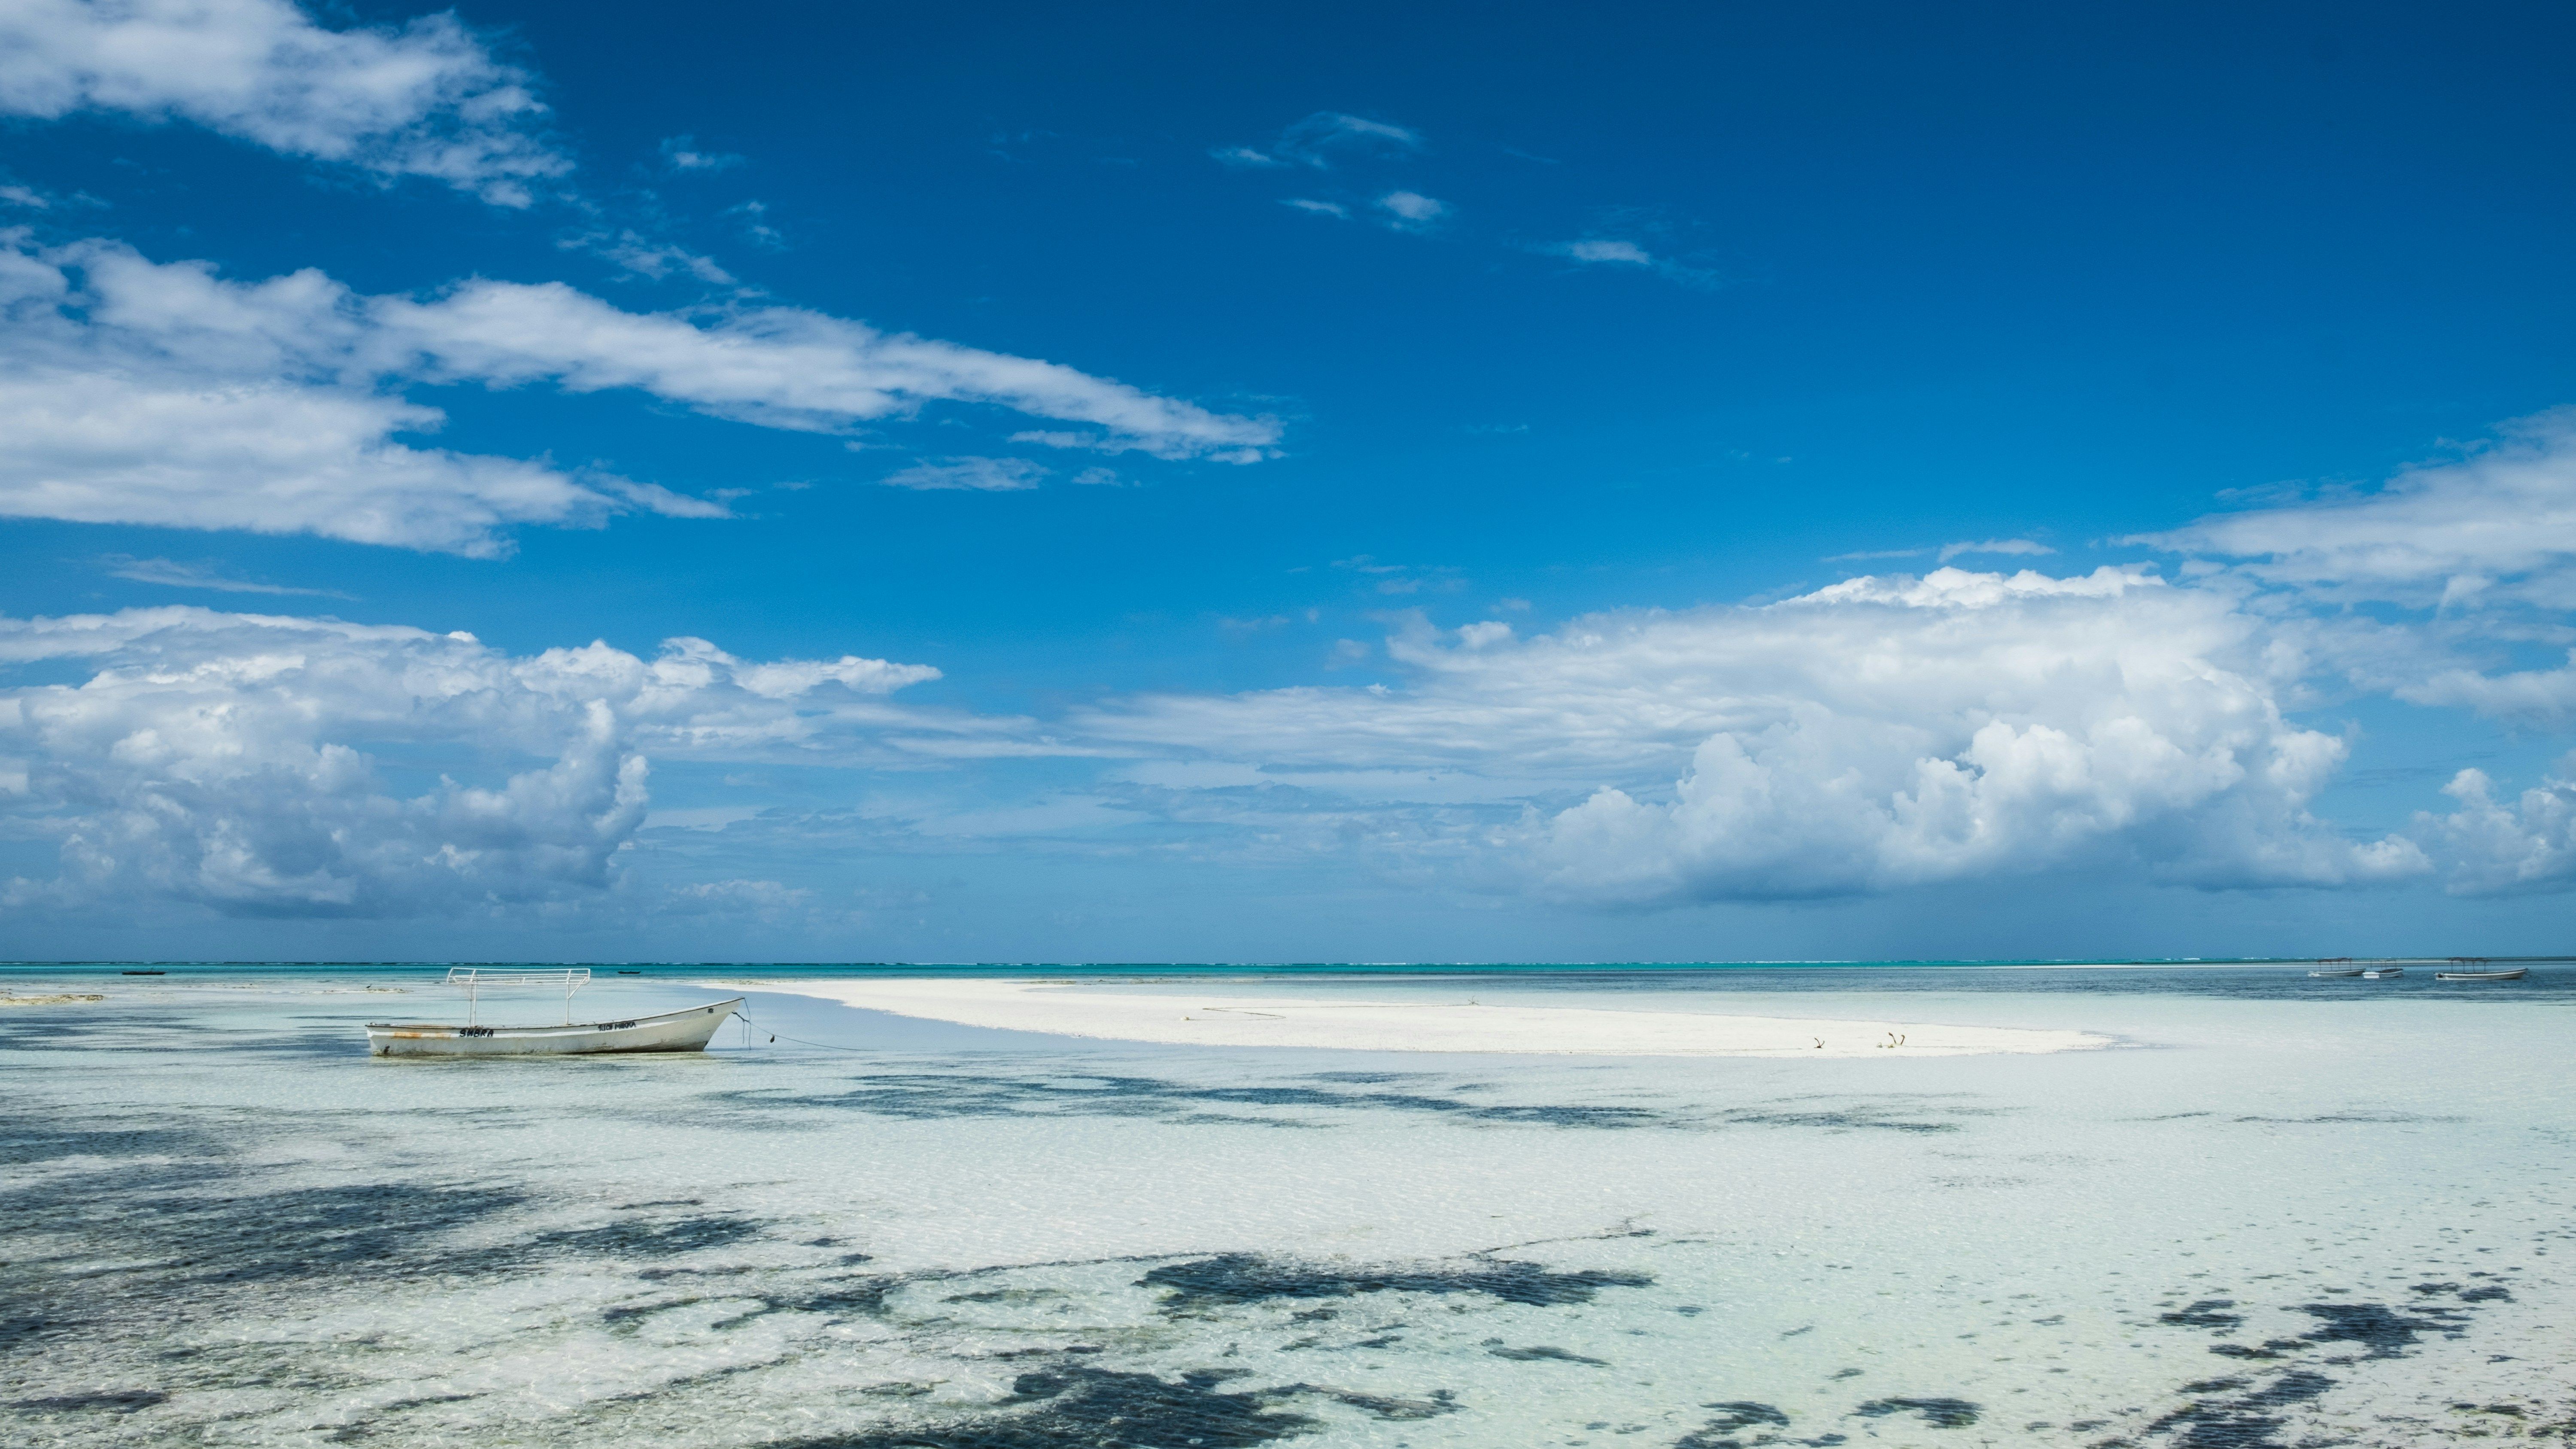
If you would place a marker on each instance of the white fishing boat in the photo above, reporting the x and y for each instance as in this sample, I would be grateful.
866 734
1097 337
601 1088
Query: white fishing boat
2337 966
687 1030
2475 968
2383 973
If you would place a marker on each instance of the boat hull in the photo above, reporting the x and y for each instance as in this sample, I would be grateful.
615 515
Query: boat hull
669 1031
2481 975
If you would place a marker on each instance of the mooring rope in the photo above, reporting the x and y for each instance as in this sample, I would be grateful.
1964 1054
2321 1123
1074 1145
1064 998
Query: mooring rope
745 1018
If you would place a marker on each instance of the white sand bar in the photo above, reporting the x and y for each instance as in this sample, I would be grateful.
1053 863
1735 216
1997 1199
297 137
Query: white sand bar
1120 1014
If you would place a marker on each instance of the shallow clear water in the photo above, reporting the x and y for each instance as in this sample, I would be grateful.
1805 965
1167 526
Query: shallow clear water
2279 1213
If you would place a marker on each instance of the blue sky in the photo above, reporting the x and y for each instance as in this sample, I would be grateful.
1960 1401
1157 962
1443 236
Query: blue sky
1487 492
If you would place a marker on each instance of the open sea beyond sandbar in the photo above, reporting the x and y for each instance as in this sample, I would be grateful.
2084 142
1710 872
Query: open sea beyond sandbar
2217 1206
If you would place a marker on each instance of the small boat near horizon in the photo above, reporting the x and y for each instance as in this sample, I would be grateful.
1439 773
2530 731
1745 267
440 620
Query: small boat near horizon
2475 968
686 1030
2336 966
2383 973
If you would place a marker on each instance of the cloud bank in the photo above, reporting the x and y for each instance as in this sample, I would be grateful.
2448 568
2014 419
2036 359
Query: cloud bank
1882 733
1894 731
1887 733
270 766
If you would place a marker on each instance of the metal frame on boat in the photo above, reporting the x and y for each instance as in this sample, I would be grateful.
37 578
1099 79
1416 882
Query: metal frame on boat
475 978
686 1030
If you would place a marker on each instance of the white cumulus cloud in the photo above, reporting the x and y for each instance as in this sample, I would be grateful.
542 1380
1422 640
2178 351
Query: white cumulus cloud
260 765
2499 848
138 393
162 393
1882 733
2498 524
426 98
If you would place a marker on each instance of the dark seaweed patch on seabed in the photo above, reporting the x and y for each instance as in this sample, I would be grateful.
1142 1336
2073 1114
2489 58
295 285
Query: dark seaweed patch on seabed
2223 1419
166 1198
25 1143
2241 1423
1250 1278
1839 1120
841 1298
2351 1119
939 1095
54 1027
1939 1413
107 1027
179 1237
1383 1406
177 1216
119 1402
644 1237
943 1095
1544 1353
1084 1408
1734 1416
310 1232
2376 1326
1910 1113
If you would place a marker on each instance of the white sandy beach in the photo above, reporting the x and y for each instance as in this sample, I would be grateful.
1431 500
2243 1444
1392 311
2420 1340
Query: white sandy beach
1063 1008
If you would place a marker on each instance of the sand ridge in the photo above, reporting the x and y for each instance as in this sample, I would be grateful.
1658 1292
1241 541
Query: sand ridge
1079 1009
